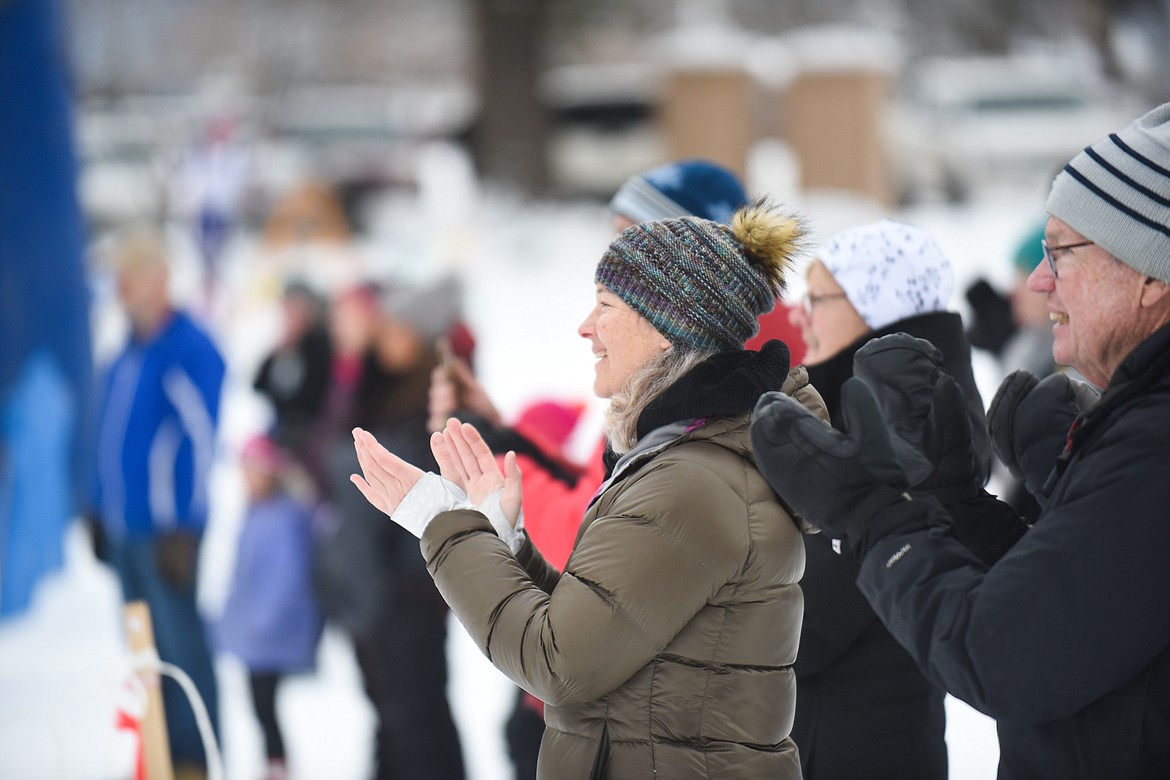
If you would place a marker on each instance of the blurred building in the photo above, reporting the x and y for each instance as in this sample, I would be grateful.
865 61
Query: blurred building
605 88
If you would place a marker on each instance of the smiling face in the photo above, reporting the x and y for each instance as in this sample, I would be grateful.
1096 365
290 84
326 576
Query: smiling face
1096 305
623 341
831 323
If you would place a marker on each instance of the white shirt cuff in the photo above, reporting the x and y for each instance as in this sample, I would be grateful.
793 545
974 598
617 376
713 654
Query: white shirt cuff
495 515
430 495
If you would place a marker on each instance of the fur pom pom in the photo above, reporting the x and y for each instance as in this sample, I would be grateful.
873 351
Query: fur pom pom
771 239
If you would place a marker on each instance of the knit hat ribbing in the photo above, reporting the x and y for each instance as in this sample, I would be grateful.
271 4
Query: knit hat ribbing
1116 193
889 271
686 188
699 283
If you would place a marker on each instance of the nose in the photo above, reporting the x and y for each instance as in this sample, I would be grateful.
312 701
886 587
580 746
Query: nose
1041 279
586 329
797 316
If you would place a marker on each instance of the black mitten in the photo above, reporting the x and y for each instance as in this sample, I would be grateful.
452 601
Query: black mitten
992 324
1029 420
931 433
1001 417
926 412
849 484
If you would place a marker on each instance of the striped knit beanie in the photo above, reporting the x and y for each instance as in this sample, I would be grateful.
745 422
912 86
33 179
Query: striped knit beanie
695 188
1116 193
701 284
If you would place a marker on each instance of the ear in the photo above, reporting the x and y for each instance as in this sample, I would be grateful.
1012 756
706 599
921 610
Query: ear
663 344
1154 291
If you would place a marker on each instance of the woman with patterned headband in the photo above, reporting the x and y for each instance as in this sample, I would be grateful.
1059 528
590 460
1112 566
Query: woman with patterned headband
666 646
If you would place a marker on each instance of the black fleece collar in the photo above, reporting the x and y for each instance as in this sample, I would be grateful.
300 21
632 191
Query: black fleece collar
725 384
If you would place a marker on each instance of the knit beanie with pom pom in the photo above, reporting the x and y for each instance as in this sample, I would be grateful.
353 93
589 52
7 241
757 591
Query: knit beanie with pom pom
702 284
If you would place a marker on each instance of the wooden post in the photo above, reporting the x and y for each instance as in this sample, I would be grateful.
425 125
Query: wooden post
156 748
834 120
710 113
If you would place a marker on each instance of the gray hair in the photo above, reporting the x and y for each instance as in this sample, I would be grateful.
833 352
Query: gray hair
646 384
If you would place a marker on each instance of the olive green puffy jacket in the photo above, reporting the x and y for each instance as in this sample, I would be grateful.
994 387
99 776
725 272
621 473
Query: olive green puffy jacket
665 649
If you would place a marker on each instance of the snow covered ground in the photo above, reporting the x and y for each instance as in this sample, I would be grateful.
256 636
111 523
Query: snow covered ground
528 272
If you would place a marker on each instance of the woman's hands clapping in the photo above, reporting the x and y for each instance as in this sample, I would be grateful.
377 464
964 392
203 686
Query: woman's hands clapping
465 459
386 478
469 478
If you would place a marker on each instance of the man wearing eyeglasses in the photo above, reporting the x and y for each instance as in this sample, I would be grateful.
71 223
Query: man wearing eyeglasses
1065 639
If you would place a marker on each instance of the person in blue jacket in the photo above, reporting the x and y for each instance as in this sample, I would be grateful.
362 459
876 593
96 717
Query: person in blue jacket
270 620
156 443
1065 639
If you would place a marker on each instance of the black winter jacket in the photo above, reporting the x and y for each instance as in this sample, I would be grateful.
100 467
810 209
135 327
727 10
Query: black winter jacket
1065 641
861 700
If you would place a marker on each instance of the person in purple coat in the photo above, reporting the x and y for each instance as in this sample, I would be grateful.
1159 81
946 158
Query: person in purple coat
271 621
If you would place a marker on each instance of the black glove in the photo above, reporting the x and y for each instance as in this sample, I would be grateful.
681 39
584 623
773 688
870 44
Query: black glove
848 484
176 555
926 412
992 324
1029 422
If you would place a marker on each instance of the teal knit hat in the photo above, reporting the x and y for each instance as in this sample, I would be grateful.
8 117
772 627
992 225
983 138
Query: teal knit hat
1030 253
699 283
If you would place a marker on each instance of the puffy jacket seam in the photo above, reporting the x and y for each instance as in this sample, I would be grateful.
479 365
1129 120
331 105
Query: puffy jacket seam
609 599
719 667
707 687
707 743
494 619
650 713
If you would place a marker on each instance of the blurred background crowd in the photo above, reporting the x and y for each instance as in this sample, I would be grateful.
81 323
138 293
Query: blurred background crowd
339 198
939 93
